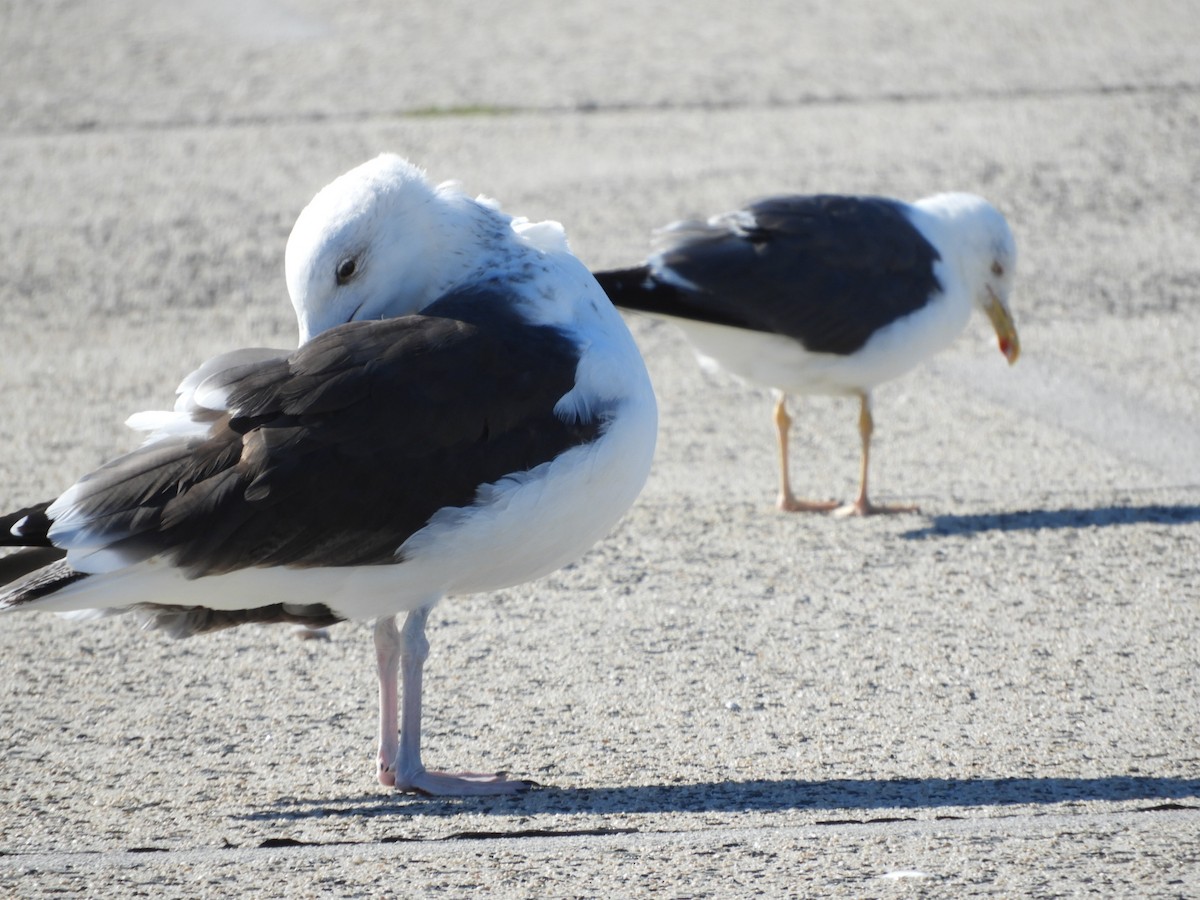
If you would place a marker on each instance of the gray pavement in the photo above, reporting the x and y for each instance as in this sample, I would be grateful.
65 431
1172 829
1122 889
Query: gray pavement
996 697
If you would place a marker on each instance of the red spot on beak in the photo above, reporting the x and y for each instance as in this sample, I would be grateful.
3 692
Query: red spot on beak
1011 348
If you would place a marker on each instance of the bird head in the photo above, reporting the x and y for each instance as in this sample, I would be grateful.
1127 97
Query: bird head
989 260
1000 258
374 243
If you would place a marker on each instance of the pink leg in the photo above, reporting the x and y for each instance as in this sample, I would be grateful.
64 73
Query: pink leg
387 655
401 765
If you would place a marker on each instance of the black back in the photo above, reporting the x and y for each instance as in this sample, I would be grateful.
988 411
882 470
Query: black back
828 271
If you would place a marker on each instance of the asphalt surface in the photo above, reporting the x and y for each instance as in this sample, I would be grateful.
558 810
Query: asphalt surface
995 697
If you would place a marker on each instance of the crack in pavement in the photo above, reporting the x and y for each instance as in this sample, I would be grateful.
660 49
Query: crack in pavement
93 127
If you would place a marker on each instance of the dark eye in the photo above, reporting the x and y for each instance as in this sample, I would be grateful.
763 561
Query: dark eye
997 269
346 269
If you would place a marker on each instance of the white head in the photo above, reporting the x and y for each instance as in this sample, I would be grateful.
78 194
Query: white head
376 242
986 256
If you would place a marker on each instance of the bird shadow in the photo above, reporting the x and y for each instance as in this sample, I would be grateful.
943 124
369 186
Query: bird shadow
887 798
1038 519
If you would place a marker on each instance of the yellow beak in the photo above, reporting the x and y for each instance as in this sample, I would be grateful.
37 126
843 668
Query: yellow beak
1006 331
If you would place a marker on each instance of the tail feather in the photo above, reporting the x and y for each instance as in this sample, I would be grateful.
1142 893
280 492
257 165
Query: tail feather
634 289
34 527
14 566
640 290
32 537
177 621
41 583
185 621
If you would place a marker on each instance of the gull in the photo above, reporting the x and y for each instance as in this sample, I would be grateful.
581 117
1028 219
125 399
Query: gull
465 412
828 294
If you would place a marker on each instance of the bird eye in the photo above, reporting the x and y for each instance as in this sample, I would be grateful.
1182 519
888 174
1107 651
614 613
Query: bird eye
997 269
346 269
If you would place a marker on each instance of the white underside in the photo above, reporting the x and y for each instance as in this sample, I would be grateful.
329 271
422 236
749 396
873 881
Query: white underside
519 529
775 361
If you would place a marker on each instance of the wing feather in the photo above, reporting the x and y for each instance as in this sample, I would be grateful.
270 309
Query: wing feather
826 270
335 455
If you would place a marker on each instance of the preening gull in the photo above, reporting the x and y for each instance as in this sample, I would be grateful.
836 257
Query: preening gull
828 295
465 412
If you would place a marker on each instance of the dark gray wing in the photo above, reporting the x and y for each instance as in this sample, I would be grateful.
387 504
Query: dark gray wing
337 454
828 271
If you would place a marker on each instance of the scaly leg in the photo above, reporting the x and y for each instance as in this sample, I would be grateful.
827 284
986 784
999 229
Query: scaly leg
387 657
400 764
787 501
862 506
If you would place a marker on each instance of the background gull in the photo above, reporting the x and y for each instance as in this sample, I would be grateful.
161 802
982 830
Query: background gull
828 295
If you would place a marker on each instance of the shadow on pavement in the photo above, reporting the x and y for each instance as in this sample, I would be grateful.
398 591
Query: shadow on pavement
1035 519
842 796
